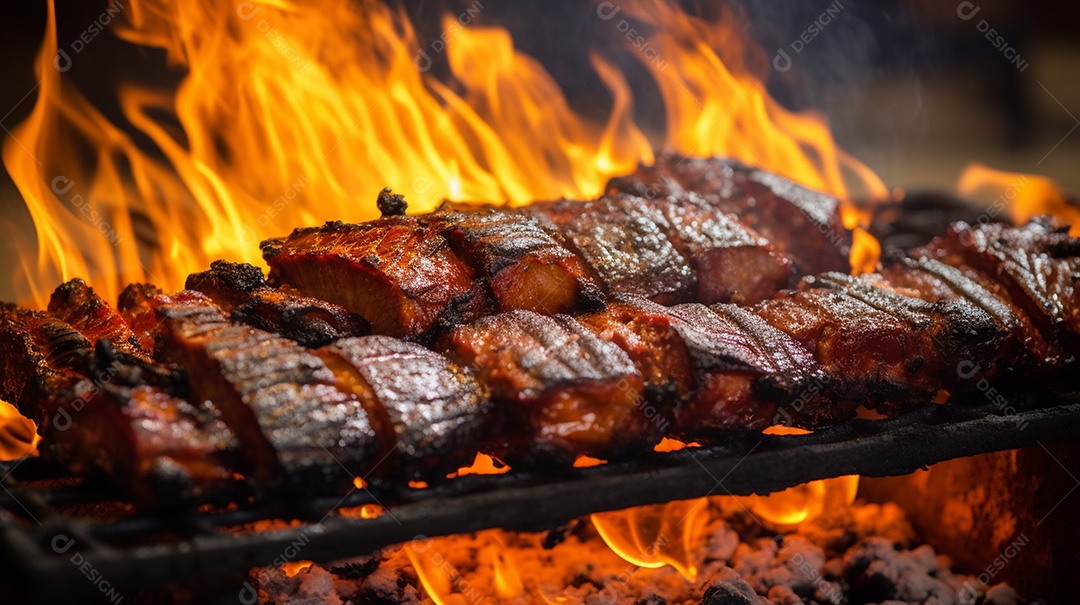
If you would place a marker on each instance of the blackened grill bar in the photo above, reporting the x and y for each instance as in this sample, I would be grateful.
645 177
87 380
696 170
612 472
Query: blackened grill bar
131 552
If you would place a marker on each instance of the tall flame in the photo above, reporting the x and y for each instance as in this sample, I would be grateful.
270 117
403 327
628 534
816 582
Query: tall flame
291 114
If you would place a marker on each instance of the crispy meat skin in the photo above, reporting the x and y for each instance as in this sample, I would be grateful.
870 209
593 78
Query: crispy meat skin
525 266
291 417
732 263
241 290
804 224
560 390
77 304
38 355
1038 265
157 447
624 240
136 308
878 346
428 411
397 272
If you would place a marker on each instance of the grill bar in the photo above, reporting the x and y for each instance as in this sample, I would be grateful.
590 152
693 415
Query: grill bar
202 544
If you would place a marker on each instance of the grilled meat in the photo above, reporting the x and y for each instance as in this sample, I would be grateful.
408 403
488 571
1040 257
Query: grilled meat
525 266
135 306
731 262
159 448
560 389
290 414
38 356
429 413
241 290
624 240
397 272
878 346
801 223
77 304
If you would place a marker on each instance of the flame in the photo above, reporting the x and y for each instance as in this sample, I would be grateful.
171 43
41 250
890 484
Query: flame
276 123
802 502
438 564
18 434
294 567
657 535
1020 196
482 465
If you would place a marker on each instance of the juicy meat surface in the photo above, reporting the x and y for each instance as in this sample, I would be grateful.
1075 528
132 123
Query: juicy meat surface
397 272
38 356
430 413
292 418
524 265
878 346
731 262
623 239
77 304
560 389
135 306
804 224
242 291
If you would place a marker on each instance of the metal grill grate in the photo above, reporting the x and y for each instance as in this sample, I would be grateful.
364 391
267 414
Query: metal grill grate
48 518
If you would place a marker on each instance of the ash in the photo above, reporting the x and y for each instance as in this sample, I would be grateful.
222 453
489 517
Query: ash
863 554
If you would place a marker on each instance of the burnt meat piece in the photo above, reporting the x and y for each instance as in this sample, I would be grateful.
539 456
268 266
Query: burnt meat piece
429 413
136 308
162 450
38 356
732 263
397 272
241 290
561 390
290 415
525 266
878 346
77 304
801 223
747 372
624 240
1038 265
647 333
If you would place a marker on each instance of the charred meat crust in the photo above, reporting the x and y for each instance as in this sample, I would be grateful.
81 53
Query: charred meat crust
77 304
525 266
561 390
397 272
801 223
431 413
624 240
293 419
241 290
38 356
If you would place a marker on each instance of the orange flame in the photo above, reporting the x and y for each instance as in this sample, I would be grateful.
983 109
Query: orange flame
18 434
1020 197
657 535
278 124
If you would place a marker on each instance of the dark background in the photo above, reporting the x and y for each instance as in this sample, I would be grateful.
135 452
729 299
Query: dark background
908 87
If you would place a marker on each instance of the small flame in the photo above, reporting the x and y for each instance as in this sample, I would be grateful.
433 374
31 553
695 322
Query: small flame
657 535
18 434
438 564
482 465
1020 197
667 444
587 461
294 567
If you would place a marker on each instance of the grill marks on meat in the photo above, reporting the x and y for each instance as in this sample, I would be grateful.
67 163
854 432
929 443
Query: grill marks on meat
524 265
560 389
291 416
38 356
802 223
878 346
77 304
242 291
624 240
161 449
429 413
731 262
397 272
